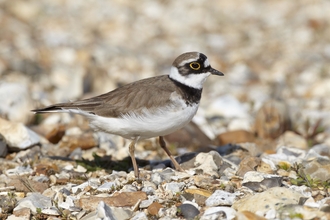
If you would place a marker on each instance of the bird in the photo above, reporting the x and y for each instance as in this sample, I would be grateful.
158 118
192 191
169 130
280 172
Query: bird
147 108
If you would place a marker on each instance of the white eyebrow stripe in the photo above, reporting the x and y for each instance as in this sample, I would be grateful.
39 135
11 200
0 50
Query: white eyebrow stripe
206 63
187 61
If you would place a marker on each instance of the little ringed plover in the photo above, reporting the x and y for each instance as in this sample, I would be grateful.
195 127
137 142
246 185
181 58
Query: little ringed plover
147 108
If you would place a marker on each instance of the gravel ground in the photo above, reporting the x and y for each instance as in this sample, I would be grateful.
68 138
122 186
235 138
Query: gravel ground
258 148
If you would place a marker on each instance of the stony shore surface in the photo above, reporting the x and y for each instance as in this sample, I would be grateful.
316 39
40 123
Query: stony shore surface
258 148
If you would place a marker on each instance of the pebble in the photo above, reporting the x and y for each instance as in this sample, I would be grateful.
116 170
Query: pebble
108 186
261 181
188 211
20 170
34 201
15 102
219 213
248 164
174 187
220 197
103 211
291 139
23 213
149 188
290 155
318 151
154 208
268 202
209 163
3 148
118 200
146 203
140 216
17 136
318 168
156 178
166 175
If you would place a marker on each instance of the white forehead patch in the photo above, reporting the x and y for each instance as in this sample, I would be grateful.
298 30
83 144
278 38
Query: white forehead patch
206 63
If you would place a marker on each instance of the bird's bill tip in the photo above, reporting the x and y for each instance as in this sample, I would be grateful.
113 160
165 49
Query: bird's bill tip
216 72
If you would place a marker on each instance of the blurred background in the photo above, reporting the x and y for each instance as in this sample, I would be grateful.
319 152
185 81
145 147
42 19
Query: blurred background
54 51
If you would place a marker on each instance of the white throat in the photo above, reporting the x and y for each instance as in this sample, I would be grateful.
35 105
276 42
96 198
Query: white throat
192 80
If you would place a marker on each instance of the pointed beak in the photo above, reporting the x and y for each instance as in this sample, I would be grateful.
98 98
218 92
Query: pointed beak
216 72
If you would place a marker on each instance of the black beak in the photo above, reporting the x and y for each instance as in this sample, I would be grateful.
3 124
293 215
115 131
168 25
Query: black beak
216 72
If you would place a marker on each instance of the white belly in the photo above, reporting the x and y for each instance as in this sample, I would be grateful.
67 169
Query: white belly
162 122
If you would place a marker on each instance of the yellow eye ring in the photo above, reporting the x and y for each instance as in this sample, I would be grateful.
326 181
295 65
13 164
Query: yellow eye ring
195 66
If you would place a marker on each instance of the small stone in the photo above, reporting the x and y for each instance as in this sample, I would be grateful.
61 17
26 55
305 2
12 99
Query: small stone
188 211
20 170
234 137
146 203
200 199
23 213
209 163
267 166
272 199
140 216
84 141
187 160
181 176
318 151
190 137
149 188
46 169
318 168
261 181
34 201
154 208
174 187
304 211
22 184
220 197
17 136
3 148
248 164
292 151
16 103
51 211
290 155
80 187
219 213
206 182
56 134
202 192
167 174
129 188
168 213
304 190
118 200
291 139
103 211
106 187
156 178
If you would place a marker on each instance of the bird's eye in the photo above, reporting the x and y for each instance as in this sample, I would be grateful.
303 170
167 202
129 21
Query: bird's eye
195 66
